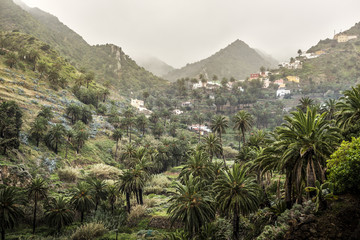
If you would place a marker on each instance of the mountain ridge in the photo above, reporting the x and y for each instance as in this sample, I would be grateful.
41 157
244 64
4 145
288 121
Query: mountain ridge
72 46
236 60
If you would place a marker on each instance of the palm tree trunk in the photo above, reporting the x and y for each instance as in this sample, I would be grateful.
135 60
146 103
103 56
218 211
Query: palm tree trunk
236 220
96 205
243 136
239 142
117 142
288 190
128 202
222 151
2 233
34 219
310 175
141 196
137 196
82 217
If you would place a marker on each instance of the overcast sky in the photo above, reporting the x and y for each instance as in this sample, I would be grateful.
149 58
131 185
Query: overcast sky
184 31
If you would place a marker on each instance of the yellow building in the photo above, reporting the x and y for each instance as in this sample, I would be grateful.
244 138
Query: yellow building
341 38
293 79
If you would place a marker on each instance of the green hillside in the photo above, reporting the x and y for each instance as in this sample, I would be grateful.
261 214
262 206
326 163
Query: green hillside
116 68
237 60
339 65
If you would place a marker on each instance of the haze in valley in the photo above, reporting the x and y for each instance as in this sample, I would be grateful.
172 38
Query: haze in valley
184 31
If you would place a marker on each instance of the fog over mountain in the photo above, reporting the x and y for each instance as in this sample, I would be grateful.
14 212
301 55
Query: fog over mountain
180 32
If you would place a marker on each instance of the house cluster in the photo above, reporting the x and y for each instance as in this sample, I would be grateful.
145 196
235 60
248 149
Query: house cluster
200 128
207 85
341 37
297 64
139 105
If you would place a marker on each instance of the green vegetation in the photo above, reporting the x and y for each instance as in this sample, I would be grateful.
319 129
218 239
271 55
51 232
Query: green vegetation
230 161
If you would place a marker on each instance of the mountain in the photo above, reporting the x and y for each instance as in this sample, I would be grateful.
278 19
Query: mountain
154 65
237 60
267 57
109 62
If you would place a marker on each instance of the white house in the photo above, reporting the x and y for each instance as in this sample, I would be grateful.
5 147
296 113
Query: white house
202 128
282 92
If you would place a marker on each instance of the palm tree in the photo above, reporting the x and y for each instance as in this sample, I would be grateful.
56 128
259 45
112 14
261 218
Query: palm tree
219 124
37 190
58 213
82 199
307 140
198 165
112 193
141 123
330 108
38 129
73 111
81 134
126 187
191 205
117 135
212 145
349 108
98 188
10 211
237 193
128 152
55 137
305 102
243 122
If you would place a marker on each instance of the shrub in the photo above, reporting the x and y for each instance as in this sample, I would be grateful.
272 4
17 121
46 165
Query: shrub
89 231
137 212
229 152
344 167
68 174
151 202
103 171
160 181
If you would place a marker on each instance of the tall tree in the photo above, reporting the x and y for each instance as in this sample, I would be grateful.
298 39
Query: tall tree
58 213
98 188
219 124
349 108
237 193
10 125
38 129
243 122
82 199
308 140
89 77
55 136
81 134
37 190
117 136
192 205
126 187
198 165
10 210
212 145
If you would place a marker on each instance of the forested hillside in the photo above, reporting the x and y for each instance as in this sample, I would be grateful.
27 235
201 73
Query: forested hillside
114 67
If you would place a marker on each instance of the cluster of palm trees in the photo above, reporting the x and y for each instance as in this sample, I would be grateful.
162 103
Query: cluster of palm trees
298 149
206 190
55 135
86 196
